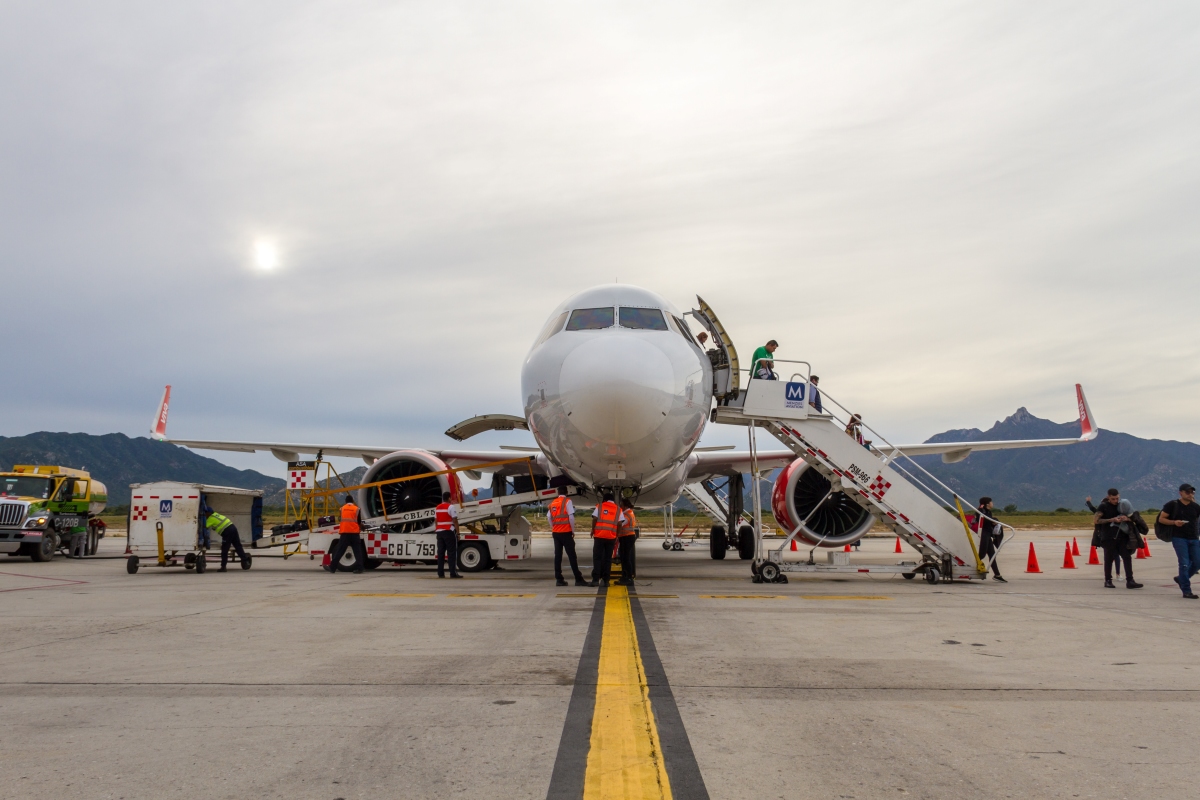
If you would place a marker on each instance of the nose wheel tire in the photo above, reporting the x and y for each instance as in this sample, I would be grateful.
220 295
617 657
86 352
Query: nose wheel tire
718 543
745 543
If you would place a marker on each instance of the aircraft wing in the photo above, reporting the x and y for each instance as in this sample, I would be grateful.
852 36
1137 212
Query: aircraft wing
952 452
291 451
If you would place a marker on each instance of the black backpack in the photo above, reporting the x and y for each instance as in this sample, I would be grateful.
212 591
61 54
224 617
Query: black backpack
1164 532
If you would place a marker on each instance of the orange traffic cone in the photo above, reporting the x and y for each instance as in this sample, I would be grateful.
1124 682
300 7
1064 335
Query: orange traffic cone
846 549
898 550
1074 546
1032 566
1146 548
1093 557
794 548
1068 561
1141 553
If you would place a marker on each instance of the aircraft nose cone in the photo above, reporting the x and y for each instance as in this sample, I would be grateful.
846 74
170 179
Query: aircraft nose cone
617 389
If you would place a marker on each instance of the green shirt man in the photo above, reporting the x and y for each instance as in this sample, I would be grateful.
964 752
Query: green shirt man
763 359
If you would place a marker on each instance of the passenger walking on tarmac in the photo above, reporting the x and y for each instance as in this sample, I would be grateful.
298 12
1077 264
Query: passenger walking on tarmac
223 526
606 517
1117 536
991 533
446 527
1184 515
762 363
350 535
562 528
627 534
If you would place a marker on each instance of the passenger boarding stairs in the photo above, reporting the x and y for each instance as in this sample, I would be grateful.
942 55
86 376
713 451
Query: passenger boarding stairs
892 487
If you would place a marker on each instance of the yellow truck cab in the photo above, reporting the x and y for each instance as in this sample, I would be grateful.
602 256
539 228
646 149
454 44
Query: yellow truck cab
43 508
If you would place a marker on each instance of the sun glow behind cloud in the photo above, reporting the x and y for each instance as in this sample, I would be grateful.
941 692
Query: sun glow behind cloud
266 255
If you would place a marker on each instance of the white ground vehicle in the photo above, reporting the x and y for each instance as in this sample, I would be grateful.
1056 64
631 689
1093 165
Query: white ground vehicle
176 509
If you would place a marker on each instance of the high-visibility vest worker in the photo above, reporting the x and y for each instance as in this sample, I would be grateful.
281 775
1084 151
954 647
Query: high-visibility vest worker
560 518
217 523
444 517
349 519
607 515
629 526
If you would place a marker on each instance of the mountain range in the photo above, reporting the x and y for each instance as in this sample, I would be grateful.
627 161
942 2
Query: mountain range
1147 471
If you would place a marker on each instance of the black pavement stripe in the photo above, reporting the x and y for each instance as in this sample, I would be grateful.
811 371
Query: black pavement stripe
570 765
682 770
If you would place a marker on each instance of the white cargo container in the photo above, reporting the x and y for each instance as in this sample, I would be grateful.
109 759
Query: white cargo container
176 506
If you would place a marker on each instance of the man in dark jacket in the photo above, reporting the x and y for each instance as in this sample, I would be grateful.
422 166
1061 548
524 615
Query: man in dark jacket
1114 527
990 535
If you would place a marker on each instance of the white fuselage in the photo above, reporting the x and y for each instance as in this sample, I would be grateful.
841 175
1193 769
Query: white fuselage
618 398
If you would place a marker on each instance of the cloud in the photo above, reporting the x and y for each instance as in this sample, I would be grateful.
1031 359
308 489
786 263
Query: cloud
950 211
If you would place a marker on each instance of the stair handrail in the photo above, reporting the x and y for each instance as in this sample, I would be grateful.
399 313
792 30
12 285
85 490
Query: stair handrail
895 453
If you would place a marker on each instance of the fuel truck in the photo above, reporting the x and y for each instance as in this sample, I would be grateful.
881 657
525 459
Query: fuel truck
43 508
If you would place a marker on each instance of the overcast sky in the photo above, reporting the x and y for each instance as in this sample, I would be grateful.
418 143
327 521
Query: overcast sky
951 210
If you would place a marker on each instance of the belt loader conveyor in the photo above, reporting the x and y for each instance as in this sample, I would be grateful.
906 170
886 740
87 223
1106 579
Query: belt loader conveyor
385 539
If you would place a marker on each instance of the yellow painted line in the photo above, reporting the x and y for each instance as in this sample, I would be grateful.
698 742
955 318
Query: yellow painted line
387 594
640 596
844 597
743 597
625 757
491 595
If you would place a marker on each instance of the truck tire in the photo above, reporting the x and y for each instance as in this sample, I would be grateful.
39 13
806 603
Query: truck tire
473 557
44 550
717 543
93 543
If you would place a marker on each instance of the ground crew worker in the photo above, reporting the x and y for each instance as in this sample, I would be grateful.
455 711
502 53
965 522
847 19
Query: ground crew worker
350 531
627 534
562 528
223 526
446 528
762 363
605 519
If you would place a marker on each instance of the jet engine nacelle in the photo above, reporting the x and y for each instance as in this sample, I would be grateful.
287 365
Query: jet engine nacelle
408 505
837 522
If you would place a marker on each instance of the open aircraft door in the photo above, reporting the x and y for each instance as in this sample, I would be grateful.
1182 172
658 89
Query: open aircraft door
726 378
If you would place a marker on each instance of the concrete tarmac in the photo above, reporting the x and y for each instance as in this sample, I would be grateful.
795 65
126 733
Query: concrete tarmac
284 681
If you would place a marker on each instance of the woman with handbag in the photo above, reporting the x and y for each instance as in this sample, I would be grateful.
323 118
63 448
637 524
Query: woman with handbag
1119 536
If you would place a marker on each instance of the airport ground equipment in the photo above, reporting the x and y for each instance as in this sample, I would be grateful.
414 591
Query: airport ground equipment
712 499
853 487
399 513
45 508
167 518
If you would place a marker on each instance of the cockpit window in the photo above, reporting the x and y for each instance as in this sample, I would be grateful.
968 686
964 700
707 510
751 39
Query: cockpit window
590 319
552 327
643 319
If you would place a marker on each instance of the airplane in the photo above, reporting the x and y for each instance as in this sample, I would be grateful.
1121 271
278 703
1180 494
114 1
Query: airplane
617 392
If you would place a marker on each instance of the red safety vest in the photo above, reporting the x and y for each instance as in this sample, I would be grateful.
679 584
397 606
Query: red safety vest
442 519
606 520
560 520
349 519
628 527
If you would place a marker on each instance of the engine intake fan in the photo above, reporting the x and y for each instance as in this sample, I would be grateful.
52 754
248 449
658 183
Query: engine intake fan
838 520
408 505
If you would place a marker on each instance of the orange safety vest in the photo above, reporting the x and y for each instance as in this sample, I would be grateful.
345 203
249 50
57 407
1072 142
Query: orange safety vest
560 521
349 519
629 526
442 519
606 521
